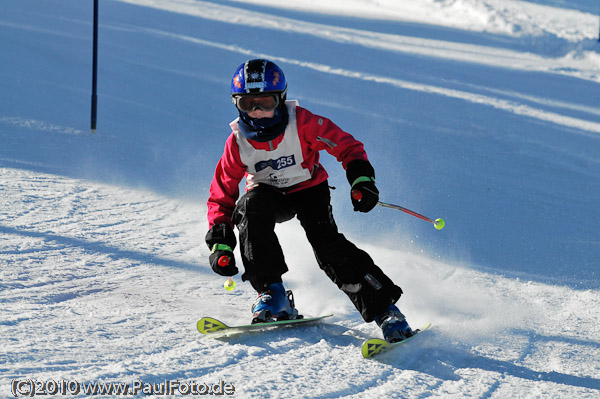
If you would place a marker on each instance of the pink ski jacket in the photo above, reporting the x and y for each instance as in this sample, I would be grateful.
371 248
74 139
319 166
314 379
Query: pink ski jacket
315 132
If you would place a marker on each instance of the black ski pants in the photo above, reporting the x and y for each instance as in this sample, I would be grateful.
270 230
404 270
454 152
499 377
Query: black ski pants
349 267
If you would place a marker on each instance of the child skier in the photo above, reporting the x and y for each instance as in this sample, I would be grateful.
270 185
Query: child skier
275 145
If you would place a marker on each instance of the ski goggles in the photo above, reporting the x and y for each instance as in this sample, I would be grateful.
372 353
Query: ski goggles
248 103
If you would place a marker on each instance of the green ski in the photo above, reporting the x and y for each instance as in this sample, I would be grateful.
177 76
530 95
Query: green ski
375 346
215 328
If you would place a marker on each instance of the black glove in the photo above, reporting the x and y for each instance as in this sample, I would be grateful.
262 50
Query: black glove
364 193
221 241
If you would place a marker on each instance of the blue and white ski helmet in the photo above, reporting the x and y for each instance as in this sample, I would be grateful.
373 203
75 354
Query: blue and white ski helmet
258 76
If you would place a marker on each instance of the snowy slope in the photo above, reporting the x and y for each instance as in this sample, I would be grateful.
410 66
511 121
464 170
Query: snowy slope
484 113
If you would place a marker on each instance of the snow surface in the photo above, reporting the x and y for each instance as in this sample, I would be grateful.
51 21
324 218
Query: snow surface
485 113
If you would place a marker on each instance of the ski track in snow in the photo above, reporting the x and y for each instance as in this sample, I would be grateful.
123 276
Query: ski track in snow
430 48
101 282
509 106
574 63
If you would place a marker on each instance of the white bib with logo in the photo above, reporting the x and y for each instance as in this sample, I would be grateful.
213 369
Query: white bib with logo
281 167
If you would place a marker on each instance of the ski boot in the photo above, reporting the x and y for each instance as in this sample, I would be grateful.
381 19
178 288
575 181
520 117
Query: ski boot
393 325
273 304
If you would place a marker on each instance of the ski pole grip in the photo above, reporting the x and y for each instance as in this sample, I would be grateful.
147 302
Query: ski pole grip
223 261
357 195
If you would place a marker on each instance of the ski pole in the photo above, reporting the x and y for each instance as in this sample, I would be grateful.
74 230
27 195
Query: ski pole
437 223
229 283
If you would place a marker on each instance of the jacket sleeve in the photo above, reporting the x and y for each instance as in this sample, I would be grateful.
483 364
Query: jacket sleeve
224 189
321 133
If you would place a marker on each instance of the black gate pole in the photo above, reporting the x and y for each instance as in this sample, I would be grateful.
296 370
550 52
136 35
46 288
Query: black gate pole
95 70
